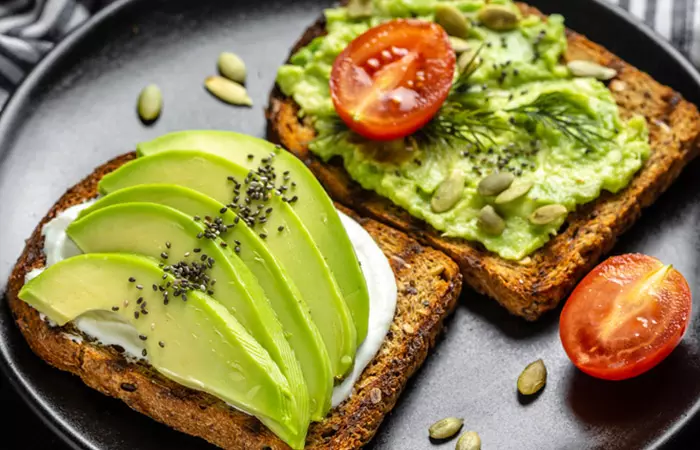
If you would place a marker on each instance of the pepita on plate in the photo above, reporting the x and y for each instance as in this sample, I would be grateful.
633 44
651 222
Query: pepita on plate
150 103
445 428
228 91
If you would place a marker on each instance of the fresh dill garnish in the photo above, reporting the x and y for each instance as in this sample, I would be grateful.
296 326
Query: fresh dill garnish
455 124
556 111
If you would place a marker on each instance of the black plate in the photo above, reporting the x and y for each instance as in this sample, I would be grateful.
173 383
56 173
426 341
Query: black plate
76 110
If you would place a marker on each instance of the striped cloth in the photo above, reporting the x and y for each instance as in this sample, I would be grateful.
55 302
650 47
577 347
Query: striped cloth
30 28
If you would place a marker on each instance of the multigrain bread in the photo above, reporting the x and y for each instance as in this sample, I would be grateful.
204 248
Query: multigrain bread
530 287
428 283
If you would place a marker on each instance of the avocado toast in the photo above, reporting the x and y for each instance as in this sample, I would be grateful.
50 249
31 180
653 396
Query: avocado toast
532 285
428 286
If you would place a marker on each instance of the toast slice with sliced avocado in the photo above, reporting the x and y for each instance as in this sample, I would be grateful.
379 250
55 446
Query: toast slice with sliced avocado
535 284
428 286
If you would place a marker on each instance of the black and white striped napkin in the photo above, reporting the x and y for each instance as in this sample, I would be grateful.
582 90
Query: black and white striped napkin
30 28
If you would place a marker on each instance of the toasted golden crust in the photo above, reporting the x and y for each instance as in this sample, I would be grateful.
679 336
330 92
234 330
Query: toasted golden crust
429 284
537 284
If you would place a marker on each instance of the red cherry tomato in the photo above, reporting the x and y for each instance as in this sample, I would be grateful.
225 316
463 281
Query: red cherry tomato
625 317
391 80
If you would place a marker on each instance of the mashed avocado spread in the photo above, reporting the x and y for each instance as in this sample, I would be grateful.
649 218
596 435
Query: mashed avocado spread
519 75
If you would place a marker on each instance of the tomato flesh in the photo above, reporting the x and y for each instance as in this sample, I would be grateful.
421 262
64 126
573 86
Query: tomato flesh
625 317
391 80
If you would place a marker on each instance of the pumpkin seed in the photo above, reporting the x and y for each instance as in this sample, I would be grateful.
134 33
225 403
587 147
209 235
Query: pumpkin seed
448 193
548 214
445 428
495 183
490 221
359 8
581 68
469 441
515 191
459 45
150 103
452 20
533 378
498 17
228 91
232 67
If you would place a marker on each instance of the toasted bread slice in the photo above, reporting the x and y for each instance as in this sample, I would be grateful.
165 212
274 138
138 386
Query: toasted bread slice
429 284
536 284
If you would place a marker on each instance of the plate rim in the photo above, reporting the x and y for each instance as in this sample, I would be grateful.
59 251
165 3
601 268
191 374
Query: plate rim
18 99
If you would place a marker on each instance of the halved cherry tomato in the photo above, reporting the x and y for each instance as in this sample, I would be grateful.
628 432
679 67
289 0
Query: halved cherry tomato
391 80
625 317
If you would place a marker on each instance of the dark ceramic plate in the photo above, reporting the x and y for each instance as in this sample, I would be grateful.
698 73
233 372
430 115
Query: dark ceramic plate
76 110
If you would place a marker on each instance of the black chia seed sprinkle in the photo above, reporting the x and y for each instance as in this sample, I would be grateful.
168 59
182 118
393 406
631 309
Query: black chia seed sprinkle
128 387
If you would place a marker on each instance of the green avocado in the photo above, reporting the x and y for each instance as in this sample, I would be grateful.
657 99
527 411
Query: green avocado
209 174
259 257
314 207
171 237
560 134
197 343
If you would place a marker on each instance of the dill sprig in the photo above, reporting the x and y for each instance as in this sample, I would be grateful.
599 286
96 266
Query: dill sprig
453 124
557 111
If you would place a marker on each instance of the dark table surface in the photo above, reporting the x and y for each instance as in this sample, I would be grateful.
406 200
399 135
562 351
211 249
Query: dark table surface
22 430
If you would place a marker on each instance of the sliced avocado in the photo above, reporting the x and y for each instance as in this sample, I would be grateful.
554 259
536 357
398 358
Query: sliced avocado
314 207
209 174
197 343
170 236
284 296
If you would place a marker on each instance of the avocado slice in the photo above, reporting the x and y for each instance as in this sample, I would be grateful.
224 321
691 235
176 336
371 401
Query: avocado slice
209 174
197 343
170 236
314 203
284 296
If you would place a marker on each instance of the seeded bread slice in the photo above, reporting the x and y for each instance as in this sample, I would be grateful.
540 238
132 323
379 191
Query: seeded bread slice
536 284
429 284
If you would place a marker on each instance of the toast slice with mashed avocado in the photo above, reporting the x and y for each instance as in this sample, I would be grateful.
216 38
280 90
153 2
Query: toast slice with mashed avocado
527 285
428 285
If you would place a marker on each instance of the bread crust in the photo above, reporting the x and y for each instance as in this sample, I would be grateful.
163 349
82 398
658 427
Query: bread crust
536 284
429 284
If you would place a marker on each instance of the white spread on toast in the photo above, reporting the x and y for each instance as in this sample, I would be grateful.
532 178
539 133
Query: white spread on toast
109 329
